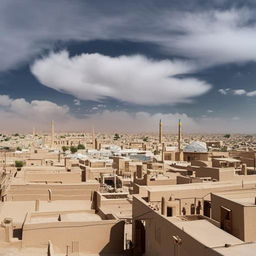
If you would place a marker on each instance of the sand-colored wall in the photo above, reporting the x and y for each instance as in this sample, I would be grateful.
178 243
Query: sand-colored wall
160 232
108 236
237 214
198 190
63 177
59 191
249 223
189 156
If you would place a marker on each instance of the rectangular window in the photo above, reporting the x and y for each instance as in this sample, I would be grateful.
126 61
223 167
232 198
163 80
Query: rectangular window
169 212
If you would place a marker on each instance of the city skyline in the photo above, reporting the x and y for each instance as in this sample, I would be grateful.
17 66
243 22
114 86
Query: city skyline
123 68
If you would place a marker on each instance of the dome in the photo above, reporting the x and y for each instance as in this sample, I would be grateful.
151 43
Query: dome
196 146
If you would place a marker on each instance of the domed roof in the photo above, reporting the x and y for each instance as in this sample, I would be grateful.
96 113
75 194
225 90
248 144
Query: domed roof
196 146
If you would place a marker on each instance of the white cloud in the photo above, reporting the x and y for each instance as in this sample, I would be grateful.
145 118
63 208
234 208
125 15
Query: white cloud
215 36
251 94
21 114
210 35
5 100
77 102
244 92
101 106
133 79
239 92
210 111
224 91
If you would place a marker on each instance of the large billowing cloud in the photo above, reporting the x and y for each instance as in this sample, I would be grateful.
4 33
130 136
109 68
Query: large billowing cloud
133 79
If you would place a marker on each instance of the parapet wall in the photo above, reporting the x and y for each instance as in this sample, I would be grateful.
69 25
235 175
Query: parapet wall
30 192
105 236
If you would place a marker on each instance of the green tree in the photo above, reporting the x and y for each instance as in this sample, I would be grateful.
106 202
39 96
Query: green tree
227 136
19 164
156 152
145 139
65 148
80 146
73 149
19 149
116 136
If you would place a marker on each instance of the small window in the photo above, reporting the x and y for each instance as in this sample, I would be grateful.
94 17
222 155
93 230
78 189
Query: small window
169 212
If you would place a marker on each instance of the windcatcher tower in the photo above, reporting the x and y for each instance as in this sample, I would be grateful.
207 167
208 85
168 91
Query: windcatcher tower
160 131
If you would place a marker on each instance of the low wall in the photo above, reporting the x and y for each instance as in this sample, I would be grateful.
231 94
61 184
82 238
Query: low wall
106 236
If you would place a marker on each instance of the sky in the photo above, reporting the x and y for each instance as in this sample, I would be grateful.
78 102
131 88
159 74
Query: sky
121 66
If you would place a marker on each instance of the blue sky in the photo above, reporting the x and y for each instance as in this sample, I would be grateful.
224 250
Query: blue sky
123 65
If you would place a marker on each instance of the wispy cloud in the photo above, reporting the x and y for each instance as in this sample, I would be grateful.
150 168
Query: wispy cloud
213 34
224 91
238 92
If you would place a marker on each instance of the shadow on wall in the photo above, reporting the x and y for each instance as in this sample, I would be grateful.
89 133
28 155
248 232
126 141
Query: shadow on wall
116 241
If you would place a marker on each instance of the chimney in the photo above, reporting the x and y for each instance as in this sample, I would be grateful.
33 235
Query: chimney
244 169
139 172
163 207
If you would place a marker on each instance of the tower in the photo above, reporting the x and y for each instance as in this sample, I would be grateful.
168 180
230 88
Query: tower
34 132
179 136
52 133
160 131
93 138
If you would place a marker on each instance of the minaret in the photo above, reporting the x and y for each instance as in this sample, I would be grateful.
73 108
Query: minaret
34 132
52 132
160 131
179 136
93 138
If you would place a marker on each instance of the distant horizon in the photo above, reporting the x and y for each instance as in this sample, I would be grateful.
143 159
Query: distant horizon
125 66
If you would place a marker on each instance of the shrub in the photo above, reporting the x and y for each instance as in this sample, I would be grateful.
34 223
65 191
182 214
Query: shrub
19 164
80 146
73 149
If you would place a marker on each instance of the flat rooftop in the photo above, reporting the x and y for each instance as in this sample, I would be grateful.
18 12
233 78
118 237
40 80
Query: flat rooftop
65 217
121 211
247 249
197 185
206 233
7 251
243 197
18 209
